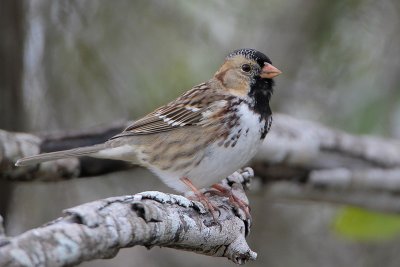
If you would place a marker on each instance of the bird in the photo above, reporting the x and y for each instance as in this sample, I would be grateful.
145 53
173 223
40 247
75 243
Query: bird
202 136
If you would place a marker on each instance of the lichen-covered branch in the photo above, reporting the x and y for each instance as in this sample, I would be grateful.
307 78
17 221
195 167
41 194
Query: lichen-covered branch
292 147
17 145
100 228
308 145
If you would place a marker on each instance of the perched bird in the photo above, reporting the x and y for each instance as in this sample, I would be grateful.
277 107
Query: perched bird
202 136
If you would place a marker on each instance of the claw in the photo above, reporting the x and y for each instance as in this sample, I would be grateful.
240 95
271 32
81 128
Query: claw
235 201
202 198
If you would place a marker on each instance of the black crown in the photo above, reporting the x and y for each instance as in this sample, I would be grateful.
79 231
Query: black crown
250 53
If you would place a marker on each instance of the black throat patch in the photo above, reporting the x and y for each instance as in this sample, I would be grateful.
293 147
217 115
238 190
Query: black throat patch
260 93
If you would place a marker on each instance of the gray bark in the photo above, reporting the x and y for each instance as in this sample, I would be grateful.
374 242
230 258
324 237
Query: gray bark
299 159
100 228
293 148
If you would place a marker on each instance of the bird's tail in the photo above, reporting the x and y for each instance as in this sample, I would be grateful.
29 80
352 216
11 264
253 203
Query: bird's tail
76 152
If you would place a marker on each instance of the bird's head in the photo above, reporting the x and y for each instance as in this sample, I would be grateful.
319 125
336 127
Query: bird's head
246 71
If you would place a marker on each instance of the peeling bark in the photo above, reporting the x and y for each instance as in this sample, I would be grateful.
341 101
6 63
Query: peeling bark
100 228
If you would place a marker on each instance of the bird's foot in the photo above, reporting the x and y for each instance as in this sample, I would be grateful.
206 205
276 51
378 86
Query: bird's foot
207 204
234 200
199 196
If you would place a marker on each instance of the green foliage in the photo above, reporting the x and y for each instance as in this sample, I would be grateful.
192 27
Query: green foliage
362 225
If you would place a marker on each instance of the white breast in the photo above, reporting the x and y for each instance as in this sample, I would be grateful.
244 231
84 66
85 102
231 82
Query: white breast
221 161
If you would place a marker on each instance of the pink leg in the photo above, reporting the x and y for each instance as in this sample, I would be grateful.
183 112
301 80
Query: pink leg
237 202
203 199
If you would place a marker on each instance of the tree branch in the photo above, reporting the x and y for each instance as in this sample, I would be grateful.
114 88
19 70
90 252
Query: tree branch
304 154
100 228
292 144
302 160
17 145
381 202
309 145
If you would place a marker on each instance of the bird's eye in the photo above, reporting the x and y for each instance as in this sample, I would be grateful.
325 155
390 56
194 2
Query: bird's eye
246 67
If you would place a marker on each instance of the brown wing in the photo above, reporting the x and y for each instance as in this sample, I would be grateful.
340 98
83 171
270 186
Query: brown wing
186 110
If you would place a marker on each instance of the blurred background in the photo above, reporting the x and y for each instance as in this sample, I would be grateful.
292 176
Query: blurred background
69 65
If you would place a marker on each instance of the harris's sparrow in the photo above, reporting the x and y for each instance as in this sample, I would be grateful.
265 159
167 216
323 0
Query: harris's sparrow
202 136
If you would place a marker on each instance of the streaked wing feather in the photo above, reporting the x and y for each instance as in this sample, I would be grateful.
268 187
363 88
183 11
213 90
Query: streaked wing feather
148 119
176 114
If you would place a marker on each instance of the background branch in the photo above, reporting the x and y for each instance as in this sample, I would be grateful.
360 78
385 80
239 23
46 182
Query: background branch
299 156
16 145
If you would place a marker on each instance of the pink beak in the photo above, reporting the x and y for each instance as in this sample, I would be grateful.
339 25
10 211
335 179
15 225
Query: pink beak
269 71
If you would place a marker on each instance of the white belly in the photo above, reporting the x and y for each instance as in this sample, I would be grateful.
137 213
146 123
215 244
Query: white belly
220 161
